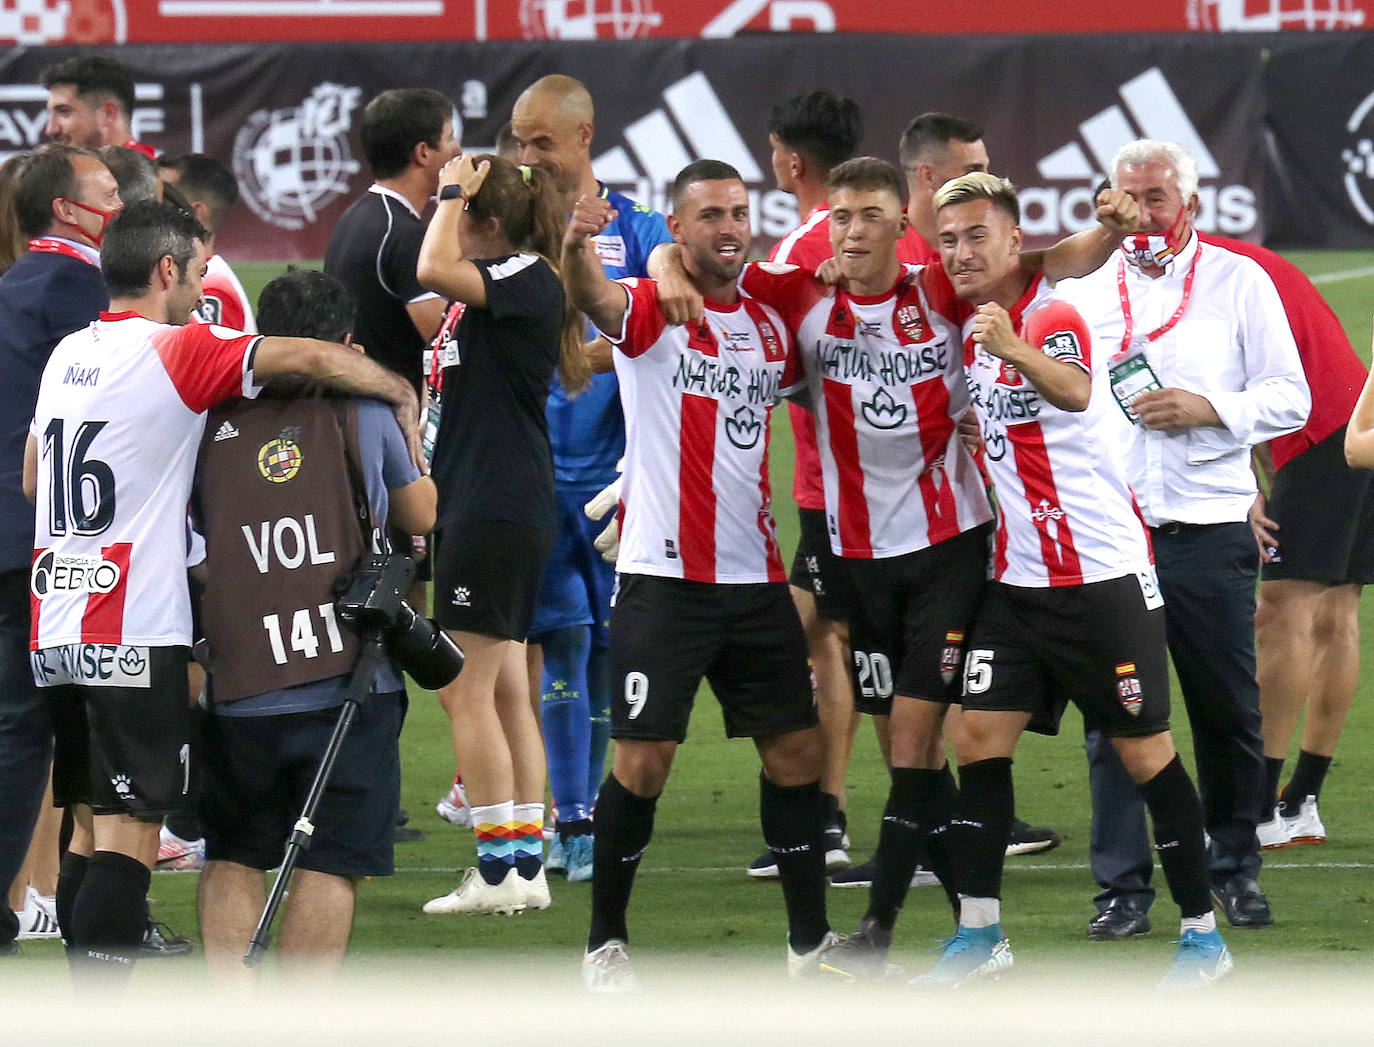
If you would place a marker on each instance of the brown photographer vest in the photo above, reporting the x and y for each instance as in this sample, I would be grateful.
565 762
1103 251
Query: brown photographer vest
283 509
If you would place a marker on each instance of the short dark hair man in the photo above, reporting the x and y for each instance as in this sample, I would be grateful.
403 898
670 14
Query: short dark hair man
407 136
934 148
109 461
53 289
91 103
135 173
710 598
211 191
275 699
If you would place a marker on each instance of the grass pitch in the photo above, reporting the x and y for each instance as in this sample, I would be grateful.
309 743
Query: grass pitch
694 910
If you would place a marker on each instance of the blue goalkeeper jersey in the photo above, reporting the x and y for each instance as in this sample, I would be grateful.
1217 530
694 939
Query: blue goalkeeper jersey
588 430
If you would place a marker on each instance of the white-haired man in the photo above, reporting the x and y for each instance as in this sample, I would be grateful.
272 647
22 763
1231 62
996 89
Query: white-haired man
1204 367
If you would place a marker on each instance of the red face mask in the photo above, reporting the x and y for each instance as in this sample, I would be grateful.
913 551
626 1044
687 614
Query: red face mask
1155 250
105 218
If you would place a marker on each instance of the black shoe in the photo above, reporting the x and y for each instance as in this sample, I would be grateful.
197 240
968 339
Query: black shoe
764 867
1028 839
860 956
407 834
856 875
1117 921
836 857
9 948
1244 904
160 942
402 816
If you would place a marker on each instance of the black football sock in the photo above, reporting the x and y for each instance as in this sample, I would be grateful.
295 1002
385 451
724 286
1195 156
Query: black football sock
981 825
830 810
904 824
937 836
793 829
1177 818
69 876
109 918
1308 775
574 827
1273 771
624 824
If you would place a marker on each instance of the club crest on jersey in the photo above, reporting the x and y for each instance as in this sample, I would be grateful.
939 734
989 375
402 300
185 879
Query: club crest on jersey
73 573
743 428
280 459
772 344
883 412
1009 375
952 655
1128 688
911 325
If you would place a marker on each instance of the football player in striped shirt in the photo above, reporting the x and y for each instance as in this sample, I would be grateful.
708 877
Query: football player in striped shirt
1074 612
702 591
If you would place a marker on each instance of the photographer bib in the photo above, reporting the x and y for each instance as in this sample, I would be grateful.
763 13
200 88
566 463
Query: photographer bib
278 493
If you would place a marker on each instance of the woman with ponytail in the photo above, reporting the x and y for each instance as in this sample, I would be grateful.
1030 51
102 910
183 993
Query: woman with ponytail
489 246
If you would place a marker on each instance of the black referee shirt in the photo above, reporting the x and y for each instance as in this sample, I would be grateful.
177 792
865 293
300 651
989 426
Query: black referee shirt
373 251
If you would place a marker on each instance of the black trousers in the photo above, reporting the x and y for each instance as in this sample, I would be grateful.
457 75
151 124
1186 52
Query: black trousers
1208 577
25 738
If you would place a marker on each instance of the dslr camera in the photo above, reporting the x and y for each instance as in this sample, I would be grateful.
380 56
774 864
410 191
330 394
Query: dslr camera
373 602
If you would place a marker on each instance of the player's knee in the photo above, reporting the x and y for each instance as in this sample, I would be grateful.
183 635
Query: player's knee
795 758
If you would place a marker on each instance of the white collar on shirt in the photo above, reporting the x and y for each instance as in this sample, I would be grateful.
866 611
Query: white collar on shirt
382 190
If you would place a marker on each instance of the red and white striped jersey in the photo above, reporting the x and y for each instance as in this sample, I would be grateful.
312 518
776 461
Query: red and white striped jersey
697 401
119 418
1066 514
887 383
223 300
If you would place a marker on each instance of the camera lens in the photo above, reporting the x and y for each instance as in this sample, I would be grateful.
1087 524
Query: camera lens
426 652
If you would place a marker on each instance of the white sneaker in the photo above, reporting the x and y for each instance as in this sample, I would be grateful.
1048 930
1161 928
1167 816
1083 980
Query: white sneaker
1307 827
804 965
38 918
474 894
454 807
607 968
536 890
1274 833
175 853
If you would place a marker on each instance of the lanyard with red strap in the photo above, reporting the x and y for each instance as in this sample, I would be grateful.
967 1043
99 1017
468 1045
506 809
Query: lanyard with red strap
48 245
1168 325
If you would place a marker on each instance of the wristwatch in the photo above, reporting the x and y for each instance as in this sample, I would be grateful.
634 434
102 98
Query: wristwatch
452 192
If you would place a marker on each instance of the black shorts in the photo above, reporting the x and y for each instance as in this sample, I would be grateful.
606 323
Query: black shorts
746 640
124 749
912 614
258 769
819 571
486 576
1096 645
1325 513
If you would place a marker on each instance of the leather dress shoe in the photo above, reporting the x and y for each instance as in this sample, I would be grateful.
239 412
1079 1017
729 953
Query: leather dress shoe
1117 921
1244 904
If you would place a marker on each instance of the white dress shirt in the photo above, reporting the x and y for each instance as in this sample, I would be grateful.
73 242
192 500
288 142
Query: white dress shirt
1232 345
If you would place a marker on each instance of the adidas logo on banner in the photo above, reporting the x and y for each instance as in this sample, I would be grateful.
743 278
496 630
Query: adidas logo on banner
1149 109
692 124
226 431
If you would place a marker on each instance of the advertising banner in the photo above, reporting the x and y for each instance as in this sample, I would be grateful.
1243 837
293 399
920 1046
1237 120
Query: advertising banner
269 21
1054 109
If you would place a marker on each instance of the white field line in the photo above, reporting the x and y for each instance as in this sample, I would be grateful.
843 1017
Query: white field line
1342 274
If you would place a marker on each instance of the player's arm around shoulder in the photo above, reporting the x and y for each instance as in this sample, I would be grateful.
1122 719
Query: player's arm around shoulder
1053 356
588 287
1085 252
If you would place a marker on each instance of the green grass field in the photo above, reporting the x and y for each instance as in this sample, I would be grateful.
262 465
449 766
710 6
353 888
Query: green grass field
693 904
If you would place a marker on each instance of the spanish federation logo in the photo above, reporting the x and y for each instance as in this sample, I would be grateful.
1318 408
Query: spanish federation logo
280 459
291 163
1128 688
